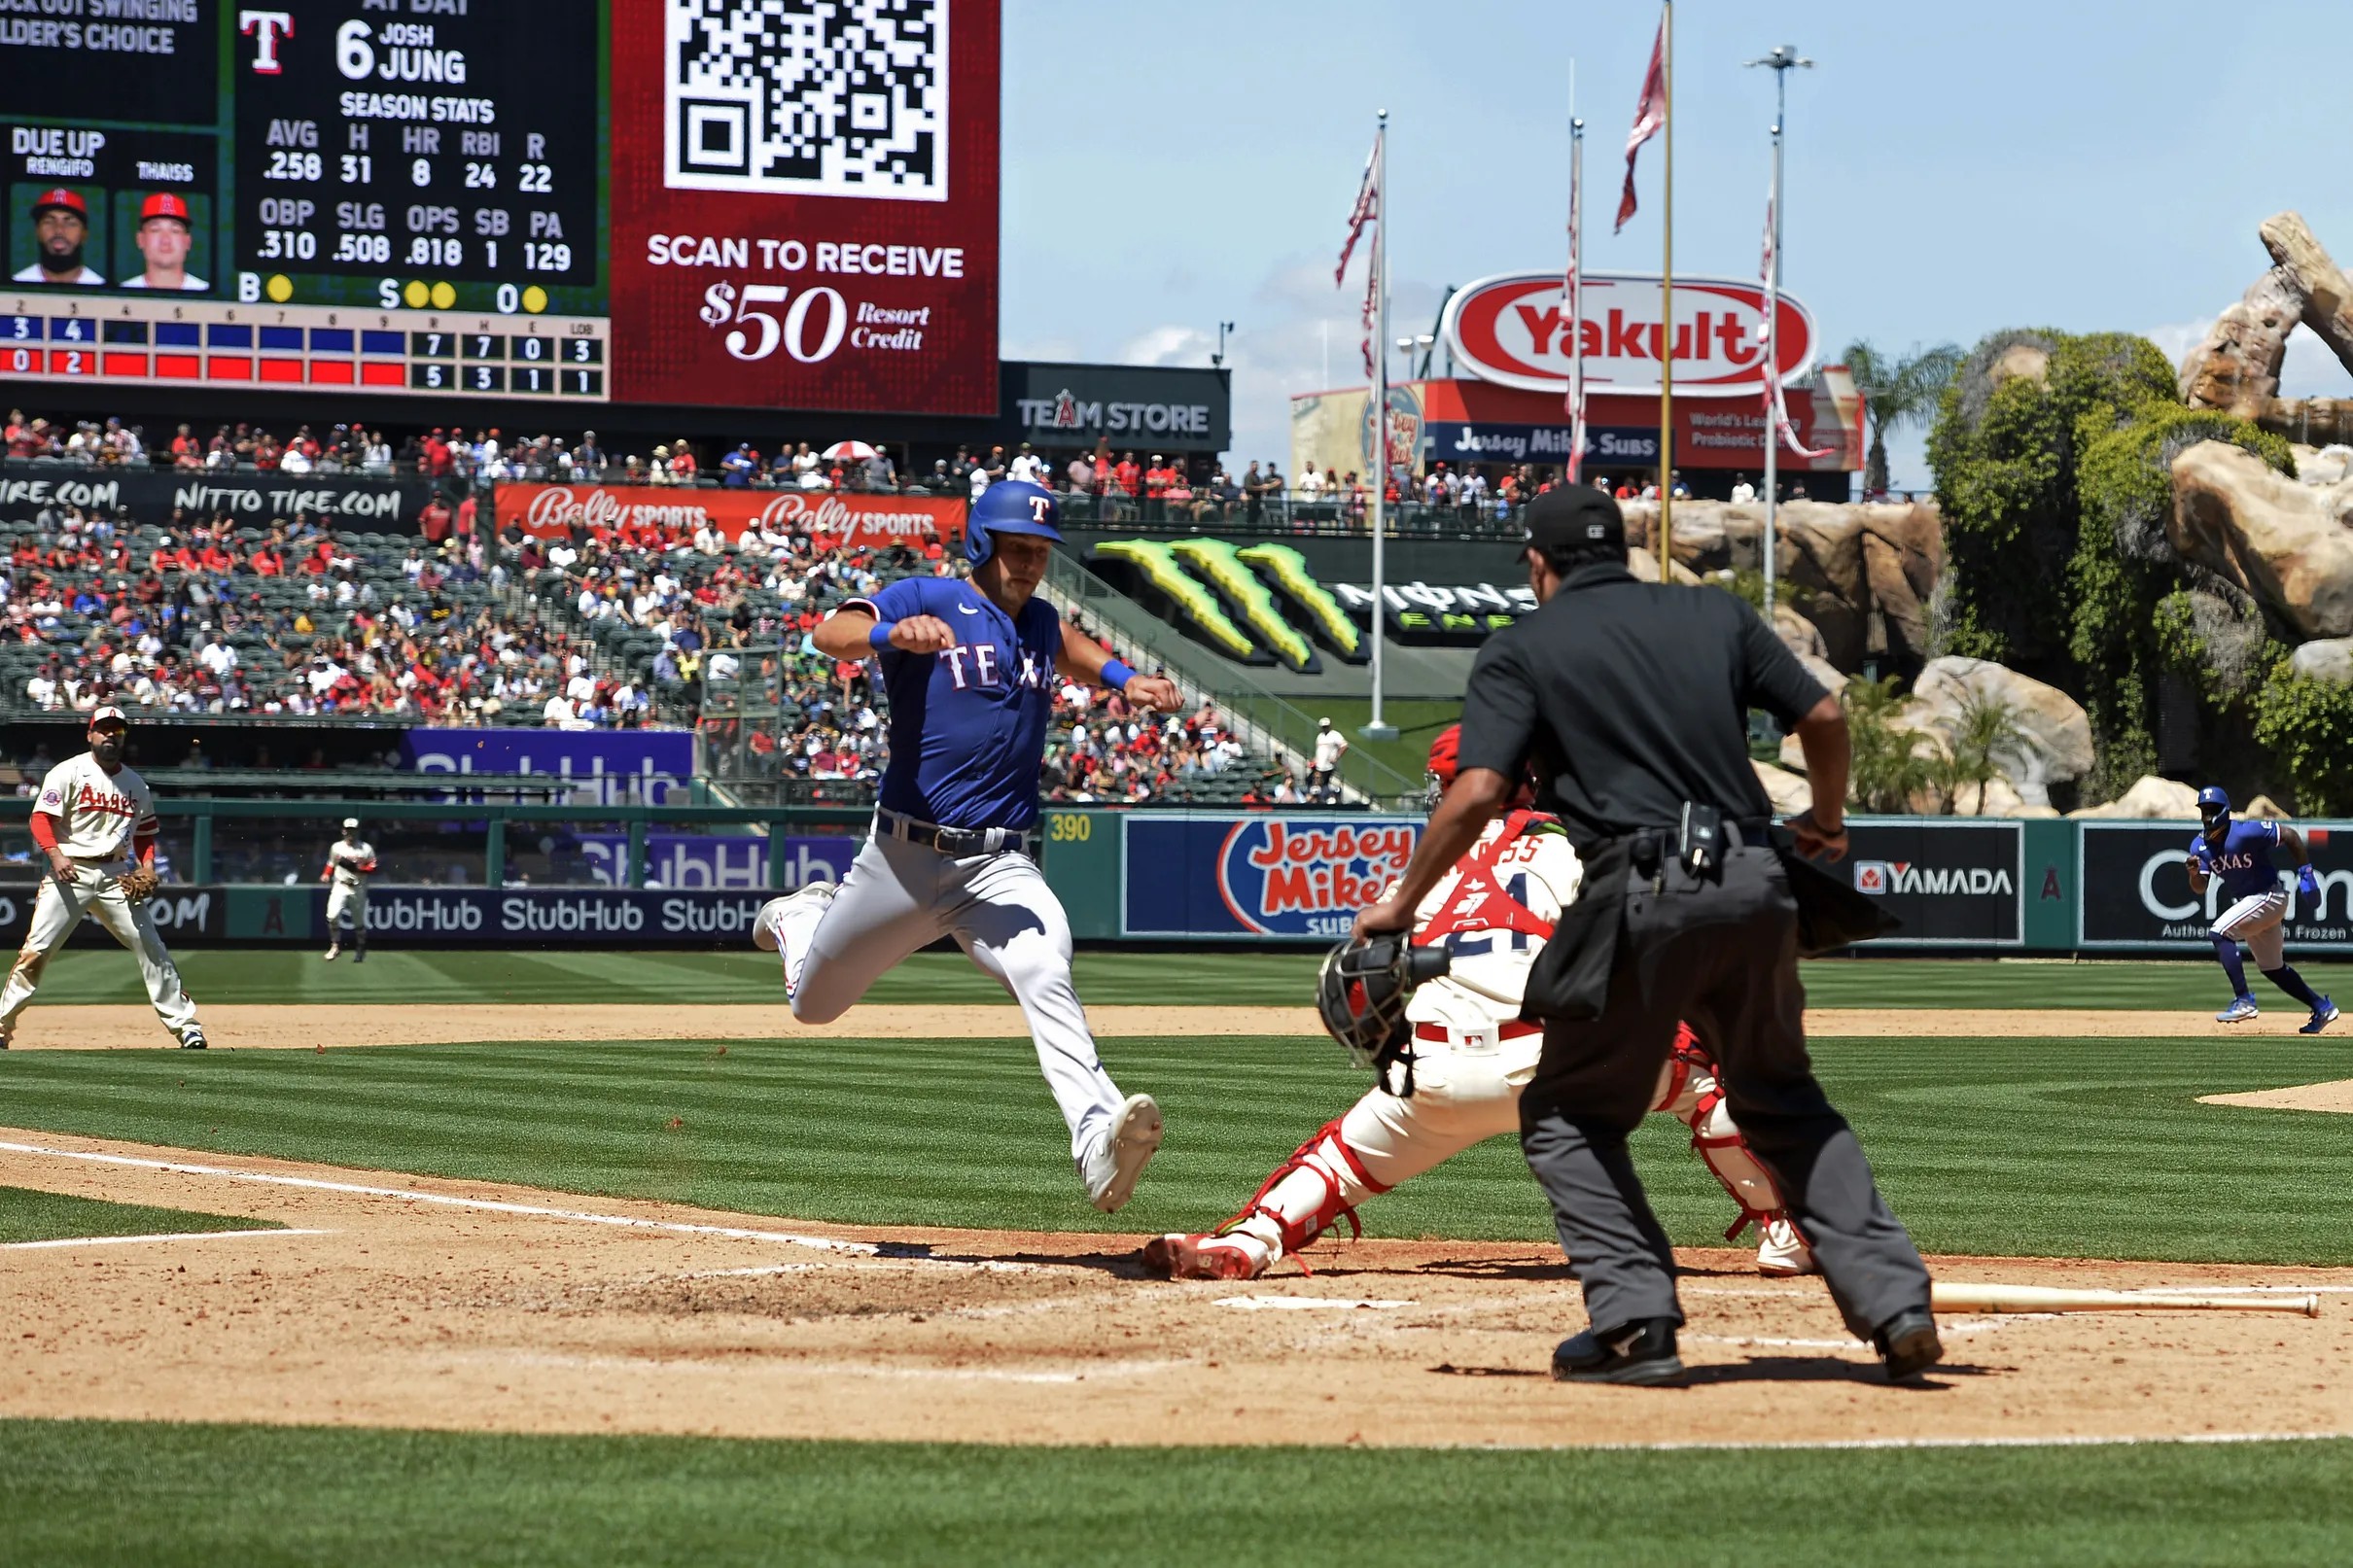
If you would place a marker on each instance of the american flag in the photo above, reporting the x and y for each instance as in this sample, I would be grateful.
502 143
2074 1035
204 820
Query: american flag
1366 213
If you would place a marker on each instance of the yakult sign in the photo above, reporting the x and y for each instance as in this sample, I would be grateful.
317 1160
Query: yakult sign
1513 330
873 521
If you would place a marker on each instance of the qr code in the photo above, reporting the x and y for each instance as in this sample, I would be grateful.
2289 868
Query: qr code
809 97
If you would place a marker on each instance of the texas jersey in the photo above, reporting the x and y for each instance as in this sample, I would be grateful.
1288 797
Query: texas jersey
98 814
2243 859
1491 910
968 725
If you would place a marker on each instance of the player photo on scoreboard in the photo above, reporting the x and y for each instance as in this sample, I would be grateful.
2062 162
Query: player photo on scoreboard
162 228
55 234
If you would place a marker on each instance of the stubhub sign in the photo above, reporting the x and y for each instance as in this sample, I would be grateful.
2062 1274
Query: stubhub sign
609 767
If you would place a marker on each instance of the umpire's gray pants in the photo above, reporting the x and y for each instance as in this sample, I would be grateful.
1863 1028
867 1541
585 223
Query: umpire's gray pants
1720 953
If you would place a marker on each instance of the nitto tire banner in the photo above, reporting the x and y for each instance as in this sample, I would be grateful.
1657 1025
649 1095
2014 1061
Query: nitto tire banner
804 207
2136 890
358 503
1258 878
182 913
869 521
1953 883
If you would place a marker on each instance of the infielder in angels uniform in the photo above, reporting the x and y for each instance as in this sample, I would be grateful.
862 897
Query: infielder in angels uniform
350 861
95 820
1472 1055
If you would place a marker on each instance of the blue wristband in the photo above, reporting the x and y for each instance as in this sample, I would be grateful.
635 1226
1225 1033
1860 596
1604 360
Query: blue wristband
879 638
1116 675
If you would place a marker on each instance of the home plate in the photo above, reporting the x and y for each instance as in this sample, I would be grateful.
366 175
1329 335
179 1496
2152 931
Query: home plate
1300 1304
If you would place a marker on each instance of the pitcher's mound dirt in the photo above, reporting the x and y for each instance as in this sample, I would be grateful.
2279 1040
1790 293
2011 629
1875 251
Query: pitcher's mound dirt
612 1316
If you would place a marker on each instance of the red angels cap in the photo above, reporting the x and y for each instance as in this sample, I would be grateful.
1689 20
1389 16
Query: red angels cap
59 196
164 204
109 713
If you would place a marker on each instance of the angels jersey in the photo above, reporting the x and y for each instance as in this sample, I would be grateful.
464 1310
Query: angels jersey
351 863
98 814
1523 859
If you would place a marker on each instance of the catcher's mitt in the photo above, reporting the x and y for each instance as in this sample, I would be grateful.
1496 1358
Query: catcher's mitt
138 885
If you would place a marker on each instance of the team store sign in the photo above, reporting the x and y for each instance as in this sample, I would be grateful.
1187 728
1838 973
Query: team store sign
1513 330
860 520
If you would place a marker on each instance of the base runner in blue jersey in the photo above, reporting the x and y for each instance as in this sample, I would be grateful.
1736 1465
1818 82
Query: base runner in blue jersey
969 667
2254 904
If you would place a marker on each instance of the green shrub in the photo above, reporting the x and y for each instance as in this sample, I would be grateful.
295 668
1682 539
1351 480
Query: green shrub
2305 725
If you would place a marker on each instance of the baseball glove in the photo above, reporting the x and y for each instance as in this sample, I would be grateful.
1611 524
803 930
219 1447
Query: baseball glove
138 885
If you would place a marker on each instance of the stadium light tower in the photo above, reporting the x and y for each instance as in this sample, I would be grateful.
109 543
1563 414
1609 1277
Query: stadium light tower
1783 58
1218 359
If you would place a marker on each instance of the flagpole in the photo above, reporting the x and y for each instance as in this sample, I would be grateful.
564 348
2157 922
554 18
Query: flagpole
1773 368
1378 729
1576 294
1666 306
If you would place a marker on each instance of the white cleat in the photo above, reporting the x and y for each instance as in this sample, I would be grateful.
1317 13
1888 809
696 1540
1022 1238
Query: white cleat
333 951
1783 1253
767 927
1110 1171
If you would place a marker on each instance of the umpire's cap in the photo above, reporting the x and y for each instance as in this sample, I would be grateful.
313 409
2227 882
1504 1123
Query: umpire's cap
1574 516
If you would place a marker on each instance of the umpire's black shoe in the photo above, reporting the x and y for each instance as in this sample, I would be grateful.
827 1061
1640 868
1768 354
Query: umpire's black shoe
1643 1351
1908 1343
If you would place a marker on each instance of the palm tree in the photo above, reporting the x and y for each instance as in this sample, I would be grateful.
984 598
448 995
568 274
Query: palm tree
1898 390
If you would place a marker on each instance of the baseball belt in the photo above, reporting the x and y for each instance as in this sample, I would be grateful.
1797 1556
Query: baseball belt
956 841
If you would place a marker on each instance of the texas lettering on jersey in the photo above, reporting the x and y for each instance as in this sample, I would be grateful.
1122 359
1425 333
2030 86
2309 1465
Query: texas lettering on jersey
2244 861
987 668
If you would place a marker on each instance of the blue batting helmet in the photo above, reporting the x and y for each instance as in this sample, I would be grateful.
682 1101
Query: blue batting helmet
1010 506
2213 805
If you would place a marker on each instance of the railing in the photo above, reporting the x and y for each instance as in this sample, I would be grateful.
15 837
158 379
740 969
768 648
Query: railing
1261 715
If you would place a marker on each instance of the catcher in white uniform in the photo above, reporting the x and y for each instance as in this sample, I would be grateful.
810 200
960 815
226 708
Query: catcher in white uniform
1471 1056
95 820
350 861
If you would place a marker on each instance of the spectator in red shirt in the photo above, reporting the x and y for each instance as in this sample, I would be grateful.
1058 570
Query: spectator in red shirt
1126 473
433 522
467 511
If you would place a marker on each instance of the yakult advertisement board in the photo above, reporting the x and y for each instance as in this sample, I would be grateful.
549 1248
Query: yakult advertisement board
804 204
1513 330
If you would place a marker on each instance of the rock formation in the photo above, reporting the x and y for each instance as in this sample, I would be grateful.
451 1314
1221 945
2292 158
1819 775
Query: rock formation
2236 366
2289 544
2053 740
2151 800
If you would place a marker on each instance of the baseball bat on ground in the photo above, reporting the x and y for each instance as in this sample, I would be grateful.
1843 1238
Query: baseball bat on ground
1952 1296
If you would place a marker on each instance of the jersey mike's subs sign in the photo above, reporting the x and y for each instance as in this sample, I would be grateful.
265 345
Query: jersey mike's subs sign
1513 330
855 518
1258 876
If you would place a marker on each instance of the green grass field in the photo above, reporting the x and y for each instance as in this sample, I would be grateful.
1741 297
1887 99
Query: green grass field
2002 1147
162 1496
1284 977
27 1216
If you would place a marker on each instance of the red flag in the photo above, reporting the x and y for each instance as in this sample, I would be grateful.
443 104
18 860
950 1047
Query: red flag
1649 115
1366 211
1776 407
1372 306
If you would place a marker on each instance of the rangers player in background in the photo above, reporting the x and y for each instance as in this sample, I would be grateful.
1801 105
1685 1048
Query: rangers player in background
2239 852
971 669
95 820
350 861
1472 1055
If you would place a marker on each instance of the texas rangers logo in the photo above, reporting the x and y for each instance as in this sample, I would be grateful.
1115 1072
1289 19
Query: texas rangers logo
1304 878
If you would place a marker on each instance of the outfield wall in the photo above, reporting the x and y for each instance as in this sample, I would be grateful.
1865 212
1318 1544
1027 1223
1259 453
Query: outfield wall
475 874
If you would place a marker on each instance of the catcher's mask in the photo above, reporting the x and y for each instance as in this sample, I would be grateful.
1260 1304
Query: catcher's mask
1360 994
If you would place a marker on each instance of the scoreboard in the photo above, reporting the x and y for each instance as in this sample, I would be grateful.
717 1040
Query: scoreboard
740 204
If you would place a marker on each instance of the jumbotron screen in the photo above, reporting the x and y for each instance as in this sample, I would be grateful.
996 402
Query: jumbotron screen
735 203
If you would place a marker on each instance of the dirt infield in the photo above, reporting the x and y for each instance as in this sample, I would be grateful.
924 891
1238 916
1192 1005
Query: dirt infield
2335 1096
302 1029
457 1305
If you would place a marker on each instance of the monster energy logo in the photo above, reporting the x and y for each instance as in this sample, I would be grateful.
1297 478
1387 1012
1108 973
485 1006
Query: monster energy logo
1263 605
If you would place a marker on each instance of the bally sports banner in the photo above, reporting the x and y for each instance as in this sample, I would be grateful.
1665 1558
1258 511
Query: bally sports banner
874 521
1257 877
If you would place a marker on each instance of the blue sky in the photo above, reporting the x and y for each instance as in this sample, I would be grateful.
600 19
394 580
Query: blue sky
1952 169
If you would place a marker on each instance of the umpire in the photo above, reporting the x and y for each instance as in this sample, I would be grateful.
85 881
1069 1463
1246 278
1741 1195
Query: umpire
1629 701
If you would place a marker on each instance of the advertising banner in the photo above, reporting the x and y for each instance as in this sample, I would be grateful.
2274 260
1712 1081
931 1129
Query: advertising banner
1162 408
1257 878
2136 890
611 767
874 521
182 913
384 506
508 917
720 861
1513 330
1953 883
804 210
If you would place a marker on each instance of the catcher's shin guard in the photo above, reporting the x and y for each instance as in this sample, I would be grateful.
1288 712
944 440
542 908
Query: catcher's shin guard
1319 1186
1693 1094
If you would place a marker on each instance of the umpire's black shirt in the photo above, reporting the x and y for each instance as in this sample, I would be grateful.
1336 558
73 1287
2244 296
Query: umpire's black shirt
1630 698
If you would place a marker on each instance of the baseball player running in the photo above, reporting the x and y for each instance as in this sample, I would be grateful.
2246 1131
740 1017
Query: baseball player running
1472 1055
350 861
2239 852
970 667
95 820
